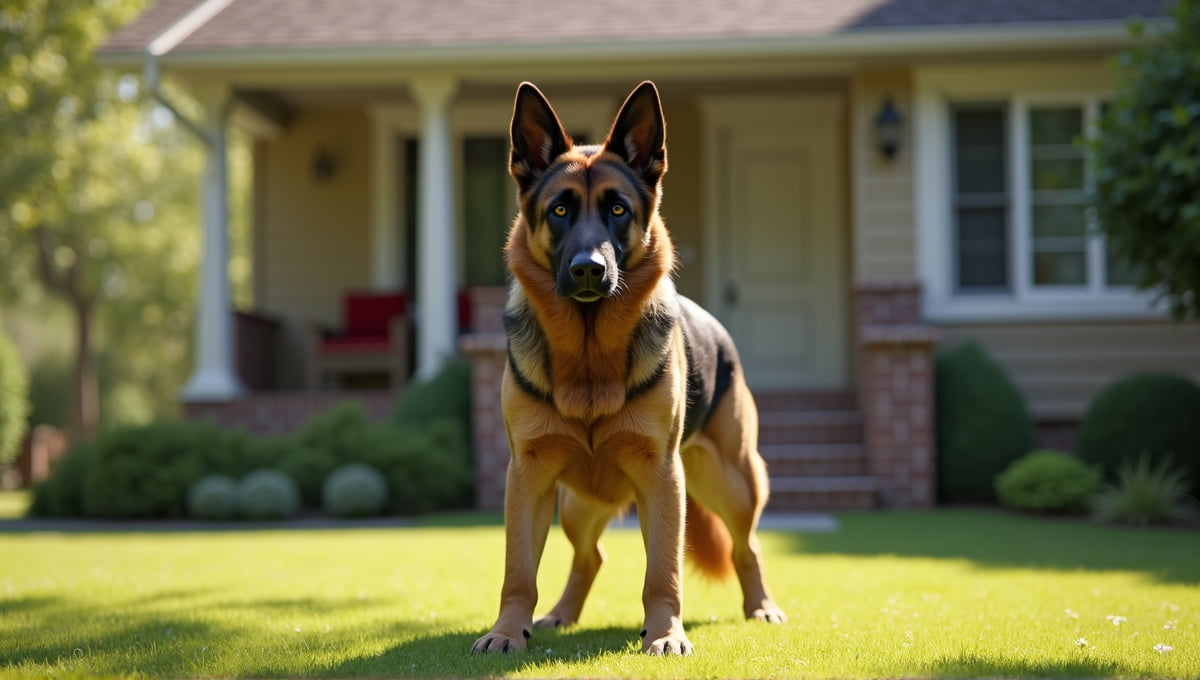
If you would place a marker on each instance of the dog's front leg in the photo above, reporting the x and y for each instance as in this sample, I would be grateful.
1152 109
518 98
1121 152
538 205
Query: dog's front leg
528 513
660 502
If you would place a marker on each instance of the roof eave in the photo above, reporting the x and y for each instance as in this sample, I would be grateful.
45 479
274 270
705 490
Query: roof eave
900 42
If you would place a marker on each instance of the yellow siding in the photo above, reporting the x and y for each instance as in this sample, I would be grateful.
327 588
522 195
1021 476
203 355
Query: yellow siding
1060 367
884 231
311 237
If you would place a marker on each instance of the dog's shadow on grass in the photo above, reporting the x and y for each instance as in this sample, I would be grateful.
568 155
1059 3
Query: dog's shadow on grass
448 654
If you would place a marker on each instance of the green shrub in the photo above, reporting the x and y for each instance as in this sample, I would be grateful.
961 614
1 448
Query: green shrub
982 424
354 490
340 433
1148 414
267 494
427 468
308 468
1048 481
146 471
445 396
14 401
213 497
61 495
1145 493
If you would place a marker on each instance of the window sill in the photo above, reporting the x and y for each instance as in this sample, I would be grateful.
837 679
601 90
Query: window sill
1043 309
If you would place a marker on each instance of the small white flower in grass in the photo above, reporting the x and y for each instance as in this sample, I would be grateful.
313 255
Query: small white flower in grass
1169 625
1071 614
1115 619
1162 649
1081 642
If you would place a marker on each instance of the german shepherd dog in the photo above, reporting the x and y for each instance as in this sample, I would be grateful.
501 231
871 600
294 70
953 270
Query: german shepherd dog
617 389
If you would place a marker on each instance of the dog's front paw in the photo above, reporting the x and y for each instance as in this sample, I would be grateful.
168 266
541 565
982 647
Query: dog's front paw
673 643
499 643
553 620
767 613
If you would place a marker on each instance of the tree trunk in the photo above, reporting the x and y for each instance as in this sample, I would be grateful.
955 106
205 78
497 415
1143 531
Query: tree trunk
85 412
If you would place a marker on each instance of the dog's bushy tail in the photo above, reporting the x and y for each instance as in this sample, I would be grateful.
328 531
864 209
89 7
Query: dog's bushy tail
707 543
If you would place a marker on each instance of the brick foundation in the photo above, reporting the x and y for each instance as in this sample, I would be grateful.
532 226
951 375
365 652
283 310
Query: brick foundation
895 362
487 351
286 411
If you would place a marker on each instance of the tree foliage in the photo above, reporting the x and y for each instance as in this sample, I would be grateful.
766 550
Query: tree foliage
1147 154
97 200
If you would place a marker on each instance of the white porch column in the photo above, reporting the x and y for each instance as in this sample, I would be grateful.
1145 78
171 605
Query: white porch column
214 377
437 315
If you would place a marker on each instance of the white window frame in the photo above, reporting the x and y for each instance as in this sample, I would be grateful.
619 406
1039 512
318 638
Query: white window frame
937 90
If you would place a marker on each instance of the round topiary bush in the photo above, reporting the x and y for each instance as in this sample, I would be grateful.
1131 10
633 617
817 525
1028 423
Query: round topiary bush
982 424
213 497
354 490
1156 415
267 494
1048 481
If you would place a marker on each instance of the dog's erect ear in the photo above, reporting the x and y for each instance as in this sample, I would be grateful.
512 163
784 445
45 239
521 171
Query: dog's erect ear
639 134
537 135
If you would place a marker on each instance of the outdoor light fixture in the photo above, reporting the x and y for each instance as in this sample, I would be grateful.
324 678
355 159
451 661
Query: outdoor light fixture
888 129
322 164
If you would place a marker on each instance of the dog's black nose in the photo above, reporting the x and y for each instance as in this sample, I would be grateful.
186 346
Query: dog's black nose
588 270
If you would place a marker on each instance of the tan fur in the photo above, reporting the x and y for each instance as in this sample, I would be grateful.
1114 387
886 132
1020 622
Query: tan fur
601 448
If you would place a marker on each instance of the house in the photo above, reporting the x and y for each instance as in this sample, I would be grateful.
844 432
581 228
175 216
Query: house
852 183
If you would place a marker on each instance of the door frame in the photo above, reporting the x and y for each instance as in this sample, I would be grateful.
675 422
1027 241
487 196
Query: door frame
768 111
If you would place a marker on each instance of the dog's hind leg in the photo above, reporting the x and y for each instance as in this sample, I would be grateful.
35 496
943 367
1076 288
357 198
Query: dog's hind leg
726 474
583 521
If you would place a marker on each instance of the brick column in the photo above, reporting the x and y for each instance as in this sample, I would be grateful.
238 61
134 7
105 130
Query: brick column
487 351
895 369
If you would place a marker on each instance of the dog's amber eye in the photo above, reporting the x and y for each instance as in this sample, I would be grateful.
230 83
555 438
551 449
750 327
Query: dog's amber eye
560 210
618 210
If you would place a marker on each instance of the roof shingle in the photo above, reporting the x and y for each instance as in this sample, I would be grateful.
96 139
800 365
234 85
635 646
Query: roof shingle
309 24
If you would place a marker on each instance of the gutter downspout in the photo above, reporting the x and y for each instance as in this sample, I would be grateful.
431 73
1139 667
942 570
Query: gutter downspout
214 376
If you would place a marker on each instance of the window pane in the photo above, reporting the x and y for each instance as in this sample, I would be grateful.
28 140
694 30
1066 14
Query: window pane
1056 174
979 150
982 248
1059 245
981 197
1055 126
1059 268
1059 220
1118 271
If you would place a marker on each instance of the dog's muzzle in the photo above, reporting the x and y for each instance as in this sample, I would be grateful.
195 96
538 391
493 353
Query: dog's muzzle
587 277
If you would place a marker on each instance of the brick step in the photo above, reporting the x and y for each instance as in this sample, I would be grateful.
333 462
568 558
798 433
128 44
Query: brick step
805 401
810 427
815 460
822 493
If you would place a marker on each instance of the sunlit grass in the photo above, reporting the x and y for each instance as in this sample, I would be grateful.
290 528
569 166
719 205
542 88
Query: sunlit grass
946 594
13 504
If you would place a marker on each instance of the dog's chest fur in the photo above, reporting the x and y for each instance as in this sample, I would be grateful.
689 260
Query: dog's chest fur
570 357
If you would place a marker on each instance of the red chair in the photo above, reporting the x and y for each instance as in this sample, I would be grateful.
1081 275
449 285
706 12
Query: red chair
373 341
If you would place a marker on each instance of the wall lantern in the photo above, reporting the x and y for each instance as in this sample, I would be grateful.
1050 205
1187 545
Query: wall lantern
889 128
322 164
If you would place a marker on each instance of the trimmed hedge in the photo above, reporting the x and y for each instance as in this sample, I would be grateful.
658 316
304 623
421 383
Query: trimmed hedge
983 424
1156 415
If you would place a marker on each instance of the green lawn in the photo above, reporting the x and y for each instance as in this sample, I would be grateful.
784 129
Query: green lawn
941 594
13 504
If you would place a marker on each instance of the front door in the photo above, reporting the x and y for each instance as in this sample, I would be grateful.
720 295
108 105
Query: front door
781 229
